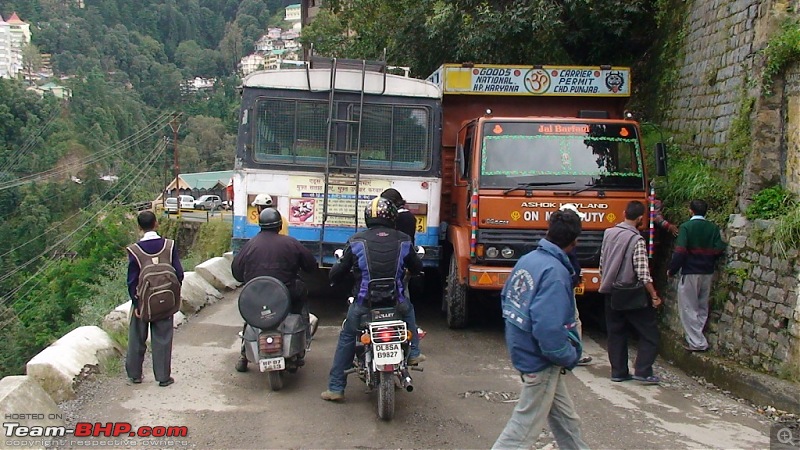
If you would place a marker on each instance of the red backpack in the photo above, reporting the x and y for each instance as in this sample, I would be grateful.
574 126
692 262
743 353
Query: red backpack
159 290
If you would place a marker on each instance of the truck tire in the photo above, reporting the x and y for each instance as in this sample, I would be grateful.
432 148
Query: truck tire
455 297
386 396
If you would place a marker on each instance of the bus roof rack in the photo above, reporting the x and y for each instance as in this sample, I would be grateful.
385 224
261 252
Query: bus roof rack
325 62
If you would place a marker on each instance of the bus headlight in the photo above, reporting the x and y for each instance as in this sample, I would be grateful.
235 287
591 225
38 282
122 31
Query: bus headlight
507 252
492 252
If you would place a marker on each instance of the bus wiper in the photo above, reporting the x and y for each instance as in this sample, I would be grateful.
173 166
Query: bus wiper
544 183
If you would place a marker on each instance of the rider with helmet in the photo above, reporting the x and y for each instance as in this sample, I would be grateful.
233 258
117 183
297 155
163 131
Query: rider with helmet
264 201
271 254
378 252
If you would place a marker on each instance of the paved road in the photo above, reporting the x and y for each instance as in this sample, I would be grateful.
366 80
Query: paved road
461 400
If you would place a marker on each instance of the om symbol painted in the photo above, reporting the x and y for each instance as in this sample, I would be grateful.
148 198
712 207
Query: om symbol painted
537 81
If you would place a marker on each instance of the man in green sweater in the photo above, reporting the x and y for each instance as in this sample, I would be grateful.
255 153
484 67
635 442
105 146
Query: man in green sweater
697 249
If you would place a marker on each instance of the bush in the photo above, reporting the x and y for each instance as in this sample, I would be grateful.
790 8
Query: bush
771 203
213 239
694 178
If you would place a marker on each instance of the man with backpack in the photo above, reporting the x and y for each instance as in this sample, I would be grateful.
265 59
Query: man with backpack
155 275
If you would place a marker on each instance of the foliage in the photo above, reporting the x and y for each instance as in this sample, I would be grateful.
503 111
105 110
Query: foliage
782 50
213 239
785 235
770 203
692 177
500 32
104 294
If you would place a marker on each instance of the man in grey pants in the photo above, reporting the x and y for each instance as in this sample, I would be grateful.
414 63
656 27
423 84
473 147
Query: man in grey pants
161 330
697 249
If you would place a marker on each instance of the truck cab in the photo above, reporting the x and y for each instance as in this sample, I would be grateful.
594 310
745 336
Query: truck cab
519 142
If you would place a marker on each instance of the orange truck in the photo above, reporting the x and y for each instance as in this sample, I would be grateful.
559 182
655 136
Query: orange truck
518 143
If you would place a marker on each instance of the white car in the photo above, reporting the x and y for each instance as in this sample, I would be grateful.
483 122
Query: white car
171 205
186 201
208 202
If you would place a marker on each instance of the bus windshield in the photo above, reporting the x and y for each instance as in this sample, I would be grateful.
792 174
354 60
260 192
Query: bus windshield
573 155
294 132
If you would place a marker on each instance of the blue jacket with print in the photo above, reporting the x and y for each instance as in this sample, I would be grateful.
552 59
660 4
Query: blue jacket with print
539 310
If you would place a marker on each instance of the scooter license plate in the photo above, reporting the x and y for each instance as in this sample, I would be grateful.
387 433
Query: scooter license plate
270 364
387 354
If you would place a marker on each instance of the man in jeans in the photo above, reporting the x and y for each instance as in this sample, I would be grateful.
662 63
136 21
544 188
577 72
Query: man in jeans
697 248
539 312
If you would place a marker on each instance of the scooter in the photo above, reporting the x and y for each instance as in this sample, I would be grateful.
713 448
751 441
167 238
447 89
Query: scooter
273 338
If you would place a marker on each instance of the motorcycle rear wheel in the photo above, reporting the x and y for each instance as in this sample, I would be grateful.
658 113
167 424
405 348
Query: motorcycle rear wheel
275 380
386 396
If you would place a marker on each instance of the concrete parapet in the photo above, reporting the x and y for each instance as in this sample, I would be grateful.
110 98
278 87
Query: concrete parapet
58 367
23 401
217 271
196 292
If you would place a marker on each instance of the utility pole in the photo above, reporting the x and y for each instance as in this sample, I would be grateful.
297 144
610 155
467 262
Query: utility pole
175 125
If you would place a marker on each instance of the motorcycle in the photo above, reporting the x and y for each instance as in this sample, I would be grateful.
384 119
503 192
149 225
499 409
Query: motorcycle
382 345
273 338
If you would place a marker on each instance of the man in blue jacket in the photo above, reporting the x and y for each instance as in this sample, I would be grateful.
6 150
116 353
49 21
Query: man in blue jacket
539 313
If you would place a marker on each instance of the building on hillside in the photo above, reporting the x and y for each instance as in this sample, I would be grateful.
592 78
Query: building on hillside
198 184
274 33
264 44
251 63
274 59
198 84
14 36
58 91
295 16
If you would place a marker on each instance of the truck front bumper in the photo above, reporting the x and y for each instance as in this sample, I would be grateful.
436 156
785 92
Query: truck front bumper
492 278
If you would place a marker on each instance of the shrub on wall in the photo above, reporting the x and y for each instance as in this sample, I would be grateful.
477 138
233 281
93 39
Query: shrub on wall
782 50
771 203
694 178
213 239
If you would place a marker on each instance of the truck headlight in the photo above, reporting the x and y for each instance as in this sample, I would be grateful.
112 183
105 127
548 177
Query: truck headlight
507 252
492 252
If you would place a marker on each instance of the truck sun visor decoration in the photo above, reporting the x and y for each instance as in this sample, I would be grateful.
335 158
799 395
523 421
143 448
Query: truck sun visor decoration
487 79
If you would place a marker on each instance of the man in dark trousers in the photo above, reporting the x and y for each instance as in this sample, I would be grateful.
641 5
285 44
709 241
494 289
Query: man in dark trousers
161 330
623 258
697 249
272 254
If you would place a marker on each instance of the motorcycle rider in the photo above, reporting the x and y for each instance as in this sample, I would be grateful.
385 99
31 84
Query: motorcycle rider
269 253
378 252
264 201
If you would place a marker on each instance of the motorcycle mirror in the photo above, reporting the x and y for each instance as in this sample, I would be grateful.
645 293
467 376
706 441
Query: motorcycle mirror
420 251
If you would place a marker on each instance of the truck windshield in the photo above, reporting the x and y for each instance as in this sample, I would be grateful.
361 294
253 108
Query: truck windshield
540 153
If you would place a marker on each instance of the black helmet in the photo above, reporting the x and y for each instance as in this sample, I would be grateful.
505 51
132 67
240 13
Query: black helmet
380 211
394 196
270 219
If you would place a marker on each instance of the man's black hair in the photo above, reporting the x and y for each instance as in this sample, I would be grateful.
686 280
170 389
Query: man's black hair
699 207
564 228
146 220
634 209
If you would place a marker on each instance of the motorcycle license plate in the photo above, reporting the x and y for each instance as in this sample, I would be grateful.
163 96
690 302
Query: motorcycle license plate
579 289
387 354
270 364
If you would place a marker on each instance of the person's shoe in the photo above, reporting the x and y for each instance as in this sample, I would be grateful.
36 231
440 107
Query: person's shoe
415 360
241 364
692 349
166 383
135 380
332 396
585 361
622 378
651 380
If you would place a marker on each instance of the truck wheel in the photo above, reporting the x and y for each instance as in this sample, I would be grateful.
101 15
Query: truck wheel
455 297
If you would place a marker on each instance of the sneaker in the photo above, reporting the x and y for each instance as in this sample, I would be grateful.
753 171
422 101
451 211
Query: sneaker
415 360
332 396
627 377
585 361
166 383
692 349
135 380
651 380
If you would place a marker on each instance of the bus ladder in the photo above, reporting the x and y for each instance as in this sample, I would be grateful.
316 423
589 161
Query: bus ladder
336 179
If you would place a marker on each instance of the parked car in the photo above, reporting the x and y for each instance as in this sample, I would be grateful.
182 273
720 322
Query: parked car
208 202
186 201
171 205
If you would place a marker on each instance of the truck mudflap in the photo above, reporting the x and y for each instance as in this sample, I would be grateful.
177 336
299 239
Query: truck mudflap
493 278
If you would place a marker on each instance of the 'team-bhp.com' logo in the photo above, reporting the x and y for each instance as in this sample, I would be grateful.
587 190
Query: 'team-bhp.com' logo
123 434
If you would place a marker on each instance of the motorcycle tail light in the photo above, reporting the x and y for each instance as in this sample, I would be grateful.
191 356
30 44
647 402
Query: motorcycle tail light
270 343
365 339
385 335
409 335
